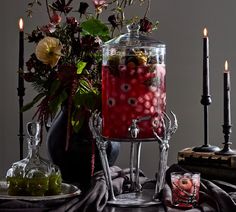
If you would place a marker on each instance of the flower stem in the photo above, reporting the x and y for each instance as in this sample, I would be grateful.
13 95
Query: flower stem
148 8
130 2
69 2
48 11
122 2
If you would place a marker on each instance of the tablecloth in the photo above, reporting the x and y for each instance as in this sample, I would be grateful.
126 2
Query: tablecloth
215 195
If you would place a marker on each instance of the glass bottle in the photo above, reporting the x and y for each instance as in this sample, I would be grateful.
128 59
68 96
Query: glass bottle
133 85
33 176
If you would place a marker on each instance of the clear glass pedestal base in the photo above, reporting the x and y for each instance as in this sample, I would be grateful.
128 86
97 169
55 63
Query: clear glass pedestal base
135 199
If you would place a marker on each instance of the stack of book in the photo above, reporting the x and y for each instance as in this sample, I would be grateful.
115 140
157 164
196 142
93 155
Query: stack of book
210 165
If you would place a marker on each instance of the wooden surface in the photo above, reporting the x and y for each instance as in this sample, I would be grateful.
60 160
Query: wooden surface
187 156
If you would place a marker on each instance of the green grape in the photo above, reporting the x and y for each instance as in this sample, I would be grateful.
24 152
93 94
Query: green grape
17 186
54 187
37 186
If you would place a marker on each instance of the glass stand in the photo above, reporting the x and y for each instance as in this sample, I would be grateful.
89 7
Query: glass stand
136 197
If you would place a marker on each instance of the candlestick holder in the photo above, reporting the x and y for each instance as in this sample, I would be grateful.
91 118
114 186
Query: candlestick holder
137 197
21 93
206 147
227 129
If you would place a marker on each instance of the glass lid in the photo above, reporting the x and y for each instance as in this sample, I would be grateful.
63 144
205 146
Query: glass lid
133 38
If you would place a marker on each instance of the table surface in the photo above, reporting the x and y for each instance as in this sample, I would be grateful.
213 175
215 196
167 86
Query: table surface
158 208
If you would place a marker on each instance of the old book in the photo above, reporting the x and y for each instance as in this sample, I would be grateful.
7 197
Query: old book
210 165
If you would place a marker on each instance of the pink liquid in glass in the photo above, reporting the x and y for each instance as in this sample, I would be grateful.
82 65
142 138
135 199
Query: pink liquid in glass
185 189
133 93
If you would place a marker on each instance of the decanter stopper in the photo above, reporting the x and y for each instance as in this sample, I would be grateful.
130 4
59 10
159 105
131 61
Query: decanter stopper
33 129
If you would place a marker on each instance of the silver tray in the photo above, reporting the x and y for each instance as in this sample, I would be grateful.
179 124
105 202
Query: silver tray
68 191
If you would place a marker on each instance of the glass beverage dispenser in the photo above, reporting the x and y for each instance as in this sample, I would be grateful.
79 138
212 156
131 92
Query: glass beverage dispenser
133 85
133 110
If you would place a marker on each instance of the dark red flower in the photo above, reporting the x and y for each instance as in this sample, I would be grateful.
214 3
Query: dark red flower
50 28
62 6
67 73
71 21
30 64
99 5
55 19
35 36
89 42
28 77
145 25
83 7
112 19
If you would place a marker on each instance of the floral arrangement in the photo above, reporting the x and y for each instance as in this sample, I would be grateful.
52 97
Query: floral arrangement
65 68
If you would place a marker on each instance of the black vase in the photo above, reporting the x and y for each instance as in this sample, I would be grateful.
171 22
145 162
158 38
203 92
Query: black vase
75 163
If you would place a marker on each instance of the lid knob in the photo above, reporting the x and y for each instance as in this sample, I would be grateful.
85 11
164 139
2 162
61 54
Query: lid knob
134 27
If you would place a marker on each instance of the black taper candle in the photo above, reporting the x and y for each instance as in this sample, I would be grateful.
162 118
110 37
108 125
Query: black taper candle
227 110
227 128
21 88
206 98
206 80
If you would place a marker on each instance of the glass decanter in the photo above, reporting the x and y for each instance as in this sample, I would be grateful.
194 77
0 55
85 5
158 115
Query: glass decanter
133 85
33 176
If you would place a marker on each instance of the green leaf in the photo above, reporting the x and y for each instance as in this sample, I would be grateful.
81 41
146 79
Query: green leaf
80 66
78 99
95 27
57 102
55 85
155 26
77 121
33 102
89 100
84 87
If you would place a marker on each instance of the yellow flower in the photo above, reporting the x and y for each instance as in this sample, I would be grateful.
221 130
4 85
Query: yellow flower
48 51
